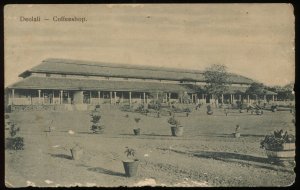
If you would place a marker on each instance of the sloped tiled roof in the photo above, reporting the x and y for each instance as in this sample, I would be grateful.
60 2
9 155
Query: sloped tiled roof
34 82
67 66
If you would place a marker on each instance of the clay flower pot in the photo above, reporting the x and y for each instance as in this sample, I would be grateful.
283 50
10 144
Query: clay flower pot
177 130
130 167
236 135
76 152
286 152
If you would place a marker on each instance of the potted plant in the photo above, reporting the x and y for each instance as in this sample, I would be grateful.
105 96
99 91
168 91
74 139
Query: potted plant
279 146
97 108
209 110
76 152
137 130
131 163
237 134
274 108
96 127
176 128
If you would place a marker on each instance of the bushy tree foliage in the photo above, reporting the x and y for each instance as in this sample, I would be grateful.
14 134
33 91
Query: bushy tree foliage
217 80
256 89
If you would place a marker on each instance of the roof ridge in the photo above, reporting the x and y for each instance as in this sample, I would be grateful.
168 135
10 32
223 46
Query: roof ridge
118 65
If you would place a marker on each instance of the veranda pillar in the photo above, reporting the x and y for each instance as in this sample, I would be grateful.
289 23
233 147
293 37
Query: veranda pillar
130 98
13 96
144 98
99 96
115 97
39 92
61 97
110 95
222 98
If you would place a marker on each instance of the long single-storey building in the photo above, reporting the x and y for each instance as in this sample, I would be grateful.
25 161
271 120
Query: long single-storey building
63 81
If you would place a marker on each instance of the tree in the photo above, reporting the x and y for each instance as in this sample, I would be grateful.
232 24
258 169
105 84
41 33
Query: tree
217 80
256 89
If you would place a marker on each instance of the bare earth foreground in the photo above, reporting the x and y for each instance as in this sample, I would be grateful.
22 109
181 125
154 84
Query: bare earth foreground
206 155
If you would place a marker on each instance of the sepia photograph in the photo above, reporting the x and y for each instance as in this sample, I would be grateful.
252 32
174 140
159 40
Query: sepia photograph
164 95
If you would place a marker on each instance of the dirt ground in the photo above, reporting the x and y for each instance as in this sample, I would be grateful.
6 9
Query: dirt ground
206 155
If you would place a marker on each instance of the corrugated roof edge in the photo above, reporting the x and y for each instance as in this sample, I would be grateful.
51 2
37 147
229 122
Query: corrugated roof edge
118 65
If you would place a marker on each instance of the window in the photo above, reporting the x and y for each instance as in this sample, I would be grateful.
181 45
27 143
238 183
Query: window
48 75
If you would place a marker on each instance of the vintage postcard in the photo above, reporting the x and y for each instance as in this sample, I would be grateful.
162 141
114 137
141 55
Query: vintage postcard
176 95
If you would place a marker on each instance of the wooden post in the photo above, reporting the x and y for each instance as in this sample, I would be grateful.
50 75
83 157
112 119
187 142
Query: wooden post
248 99
265 98
144 97
115 94
273 98
240 97
130 98
122 98
156 95
169 96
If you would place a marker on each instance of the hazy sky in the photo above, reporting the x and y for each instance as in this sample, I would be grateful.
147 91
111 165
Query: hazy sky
254 40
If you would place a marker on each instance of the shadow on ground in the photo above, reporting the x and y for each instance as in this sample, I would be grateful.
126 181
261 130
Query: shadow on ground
62 156
260 162
105 171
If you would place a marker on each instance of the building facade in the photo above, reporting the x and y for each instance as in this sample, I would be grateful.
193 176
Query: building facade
74 82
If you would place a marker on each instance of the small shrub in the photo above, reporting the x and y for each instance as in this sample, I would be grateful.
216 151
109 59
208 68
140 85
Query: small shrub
137 119
173 121
14 143
130 153
96 126
13 129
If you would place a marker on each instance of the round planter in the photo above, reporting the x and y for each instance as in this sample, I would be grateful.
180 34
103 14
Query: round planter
137 131
236 135
286 152
177 131
76 153
131 167
209 112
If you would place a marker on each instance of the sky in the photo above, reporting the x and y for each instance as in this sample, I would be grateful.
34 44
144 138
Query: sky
253 40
